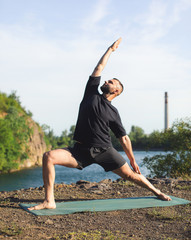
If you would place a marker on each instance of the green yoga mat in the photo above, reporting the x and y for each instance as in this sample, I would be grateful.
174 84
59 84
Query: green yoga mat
105 205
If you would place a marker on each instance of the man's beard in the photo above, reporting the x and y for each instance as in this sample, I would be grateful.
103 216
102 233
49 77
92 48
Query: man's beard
105 89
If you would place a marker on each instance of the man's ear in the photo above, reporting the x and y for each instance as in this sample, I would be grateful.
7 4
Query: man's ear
117 92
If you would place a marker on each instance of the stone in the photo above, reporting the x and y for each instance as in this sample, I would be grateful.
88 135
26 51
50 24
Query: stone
98 192
49 221
82 182
36 146
104 186
106 181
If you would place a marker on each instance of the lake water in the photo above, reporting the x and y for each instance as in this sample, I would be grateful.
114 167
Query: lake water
33 177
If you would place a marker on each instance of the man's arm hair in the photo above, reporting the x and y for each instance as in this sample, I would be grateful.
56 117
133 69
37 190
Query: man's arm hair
103 61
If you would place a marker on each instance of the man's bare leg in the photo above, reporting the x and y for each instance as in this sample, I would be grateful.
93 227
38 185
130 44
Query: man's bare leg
54 157
126 173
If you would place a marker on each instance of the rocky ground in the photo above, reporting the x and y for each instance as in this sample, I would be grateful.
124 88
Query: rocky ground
151 223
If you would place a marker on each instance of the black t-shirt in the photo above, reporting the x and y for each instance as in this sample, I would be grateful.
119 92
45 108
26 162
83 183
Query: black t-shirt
96 117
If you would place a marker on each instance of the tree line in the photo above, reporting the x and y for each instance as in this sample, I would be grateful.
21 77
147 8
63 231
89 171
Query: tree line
15 133
155 141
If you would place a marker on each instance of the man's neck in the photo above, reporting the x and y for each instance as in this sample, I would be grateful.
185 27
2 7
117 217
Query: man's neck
109 96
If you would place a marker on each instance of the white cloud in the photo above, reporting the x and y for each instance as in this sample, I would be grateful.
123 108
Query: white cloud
179 8
160 17
99 12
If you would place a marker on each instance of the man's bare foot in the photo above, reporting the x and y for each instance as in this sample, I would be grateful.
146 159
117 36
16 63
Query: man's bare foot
163 197
44 205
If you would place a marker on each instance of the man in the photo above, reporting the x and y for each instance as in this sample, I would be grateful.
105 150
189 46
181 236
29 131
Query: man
93 144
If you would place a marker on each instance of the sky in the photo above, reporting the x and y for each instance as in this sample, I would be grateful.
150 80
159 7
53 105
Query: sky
48 49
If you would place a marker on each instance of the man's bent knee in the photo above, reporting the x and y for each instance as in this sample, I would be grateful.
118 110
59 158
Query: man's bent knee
47 157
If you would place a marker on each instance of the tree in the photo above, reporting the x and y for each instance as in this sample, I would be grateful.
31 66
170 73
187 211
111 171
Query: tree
177 162
14 134
138 137
62 141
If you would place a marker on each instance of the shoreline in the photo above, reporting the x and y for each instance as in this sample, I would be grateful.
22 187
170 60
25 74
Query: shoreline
89 183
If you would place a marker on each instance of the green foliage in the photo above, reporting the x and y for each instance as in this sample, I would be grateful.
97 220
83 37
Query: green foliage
14 132
138 138
49 137
177 162
179 136
136 133
62 141
7 101
146 142
66 138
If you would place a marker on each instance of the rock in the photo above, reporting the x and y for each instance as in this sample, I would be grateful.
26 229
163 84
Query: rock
49 221
104 187
82 182
36 146
93 187
57 186
119 180
154 181
106 181
86 184
98 192
168 181
184 182
160 226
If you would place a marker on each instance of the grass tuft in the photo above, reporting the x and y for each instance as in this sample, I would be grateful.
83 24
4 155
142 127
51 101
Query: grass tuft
93 235
164 214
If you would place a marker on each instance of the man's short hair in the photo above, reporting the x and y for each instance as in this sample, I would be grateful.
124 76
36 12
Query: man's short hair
122 87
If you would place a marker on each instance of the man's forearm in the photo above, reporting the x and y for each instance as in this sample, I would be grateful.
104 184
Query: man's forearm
127 147
102 62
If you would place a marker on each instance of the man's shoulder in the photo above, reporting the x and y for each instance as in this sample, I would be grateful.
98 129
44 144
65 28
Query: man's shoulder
94 78
92 85
114 109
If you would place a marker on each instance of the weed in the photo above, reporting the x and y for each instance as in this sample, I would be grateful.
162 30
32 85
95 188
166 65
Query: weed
164 214
12 230
123 182
94 235
4 201
169 238
185 187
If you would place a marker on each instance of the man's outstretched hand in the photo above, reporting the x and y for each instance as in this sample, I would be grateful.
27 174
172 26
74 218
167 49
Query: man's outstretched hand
135 167
115 45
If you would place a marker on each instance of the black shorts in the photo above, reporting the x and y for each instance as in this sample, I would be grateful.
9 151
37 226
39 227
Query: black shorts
107 157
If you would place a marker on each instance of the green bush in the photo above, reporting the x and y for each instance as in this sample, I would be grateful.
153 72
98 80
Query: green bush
14 133
177 162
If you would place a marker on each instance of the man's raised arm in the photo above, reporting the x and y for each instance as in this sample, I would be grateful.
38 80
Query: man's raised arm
103 61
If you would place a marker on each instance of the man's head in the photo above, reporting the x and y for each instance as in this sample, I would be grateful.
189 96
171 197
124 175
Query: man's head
112 87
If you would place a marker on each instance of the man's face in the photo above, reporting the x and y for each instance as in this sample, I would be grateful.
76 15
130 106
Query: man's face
110 86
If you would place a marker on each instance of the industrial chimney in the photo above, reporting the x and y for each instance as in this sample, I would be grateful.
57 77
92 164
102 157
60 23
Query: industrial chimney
166 124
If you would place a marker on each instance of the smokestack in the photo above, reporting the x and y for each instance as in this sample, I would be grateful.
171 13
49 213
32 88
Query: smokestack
166 124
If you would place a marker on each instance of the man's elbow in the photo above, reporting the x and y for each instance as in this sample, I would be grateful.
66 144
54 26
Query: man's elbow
123 140
97 71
